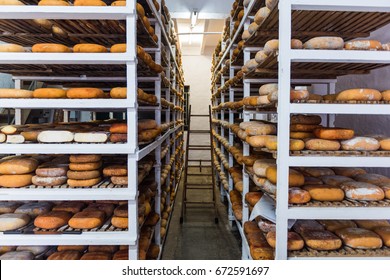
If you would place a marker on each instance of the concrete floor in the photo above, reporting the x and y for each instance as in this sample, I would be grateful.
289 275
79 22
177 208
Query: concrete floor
199 238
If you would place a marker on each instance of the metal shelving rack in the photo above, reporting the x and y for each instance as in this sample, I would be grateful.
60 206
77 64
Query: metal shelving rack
282 74
129 106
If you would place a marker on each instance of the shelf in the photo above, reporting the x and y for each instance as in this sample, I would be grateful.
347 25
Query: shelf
337 5
85 238
332 108
338 213
74 148
79 104
341 56
66 58
69 12
53 194
335 161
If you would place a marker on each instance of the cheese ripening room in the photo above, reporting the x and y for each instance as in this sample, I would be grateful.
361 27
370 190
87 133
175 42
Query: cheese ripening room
159 130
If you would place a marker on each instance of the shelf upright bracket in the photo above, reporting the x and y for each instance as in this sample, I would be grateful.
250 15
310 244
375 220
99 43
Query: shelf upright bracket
283 128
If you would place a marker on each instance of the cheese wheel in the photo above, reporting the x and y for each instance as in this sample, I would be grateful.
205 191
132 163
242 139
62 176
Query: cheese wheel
261 253
304 127
261 129
15 93
107 208
13 221
9 129
259 181
298 196
363 45
273 45
253 28
52 220
91 137
333 225
118 48
83 175
87 219
11 48
17 255
322 145
295 144
260 57
371 224
11 2
325 43
385 144
84 158
118 93
83 183
296 179
334 133
89 48
360 94
55 136
34 209
121 211
120 222
273 97
267 89
31 136
260 166
384 233
348 171
85 166
251 101
98 255
53 3
294 241
271 4
118 128
264 100
85 93
69 206
89 3
360 144
65 255
261 15
253 197
49 181
386 188
306 119
375 179
36 250
362 191
146 124
18 165
49 93
359 238
318 171
385 95
321 240
301 135
115 170
302 226
15 181
324 192
299 94
335 180
50 48
118 137
252 64
15 139
119 180
8 207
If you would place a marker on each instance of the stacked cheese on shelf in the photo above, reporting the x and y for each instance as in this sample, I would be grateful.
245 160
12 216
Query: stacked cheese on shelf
236 201
84 170
17 171
259 248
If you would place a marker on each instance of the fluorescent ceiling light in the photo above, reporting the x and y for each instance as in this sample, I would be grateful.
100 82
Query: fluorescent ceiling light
194 18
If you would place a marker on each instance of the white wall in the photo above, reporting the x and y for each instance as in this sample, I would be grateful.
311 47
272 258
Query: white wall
197 74
377 79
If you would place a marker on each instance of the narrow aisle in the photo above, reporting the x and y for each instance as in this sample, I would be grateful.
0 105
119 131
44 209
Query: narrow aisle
199 238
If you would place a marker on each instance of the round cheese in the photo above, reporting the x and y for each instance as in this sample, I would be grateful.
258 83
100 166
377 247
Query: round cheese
11 48
361 94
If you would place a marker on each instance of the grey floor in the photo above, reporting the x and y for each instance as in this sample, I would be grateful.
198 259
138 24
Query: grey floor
199 238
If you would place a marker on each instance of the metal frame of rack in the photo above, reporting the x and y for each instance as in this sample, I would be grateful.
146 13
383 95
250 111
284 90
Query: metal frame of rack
130 106
285 108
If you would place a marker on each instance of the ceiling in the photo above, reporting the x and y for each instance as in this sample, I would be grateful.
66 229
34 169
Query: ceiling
211 18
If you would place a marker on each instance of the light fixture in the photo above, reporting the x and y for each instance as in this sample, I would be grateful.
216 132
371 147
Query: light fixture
194 18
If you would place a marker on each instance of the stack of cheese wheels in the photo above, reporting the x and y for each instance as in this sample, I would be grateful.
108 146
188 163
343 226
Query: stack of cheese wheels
17 171
316 236
236 174
120 218
11 134
148 130
84 170
51 174
236 200
259 247
118 132
117 174
148 60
